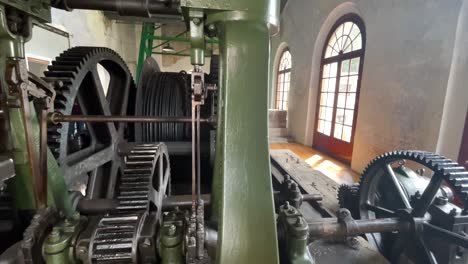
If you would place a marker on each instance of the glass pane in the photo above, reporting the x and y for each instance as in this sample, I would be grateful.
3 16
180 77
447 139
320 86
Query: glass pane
348 120
348 47
287 77
327 128
343 84
320 126
335 49
339 116
326 70
357 43
345 67
347 27
351 101
347 132
354 32
354 70
324 85
322 112
353 82
332 85
328 53
328 114
285 62
332 40
341 100
333 69
286 87
323 99
331 99
338 131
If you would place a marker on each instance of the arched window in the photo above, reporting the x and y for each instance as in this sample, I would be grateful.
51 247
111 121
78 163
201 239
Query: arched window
339 87
284 80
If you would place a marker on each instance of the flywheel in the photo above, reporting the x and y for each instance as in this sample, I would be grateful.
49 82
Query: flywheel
428 190
89 81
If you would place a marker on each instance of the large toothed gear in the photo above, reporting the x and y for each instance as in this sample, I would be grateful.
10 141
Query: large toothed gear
414 185
81 77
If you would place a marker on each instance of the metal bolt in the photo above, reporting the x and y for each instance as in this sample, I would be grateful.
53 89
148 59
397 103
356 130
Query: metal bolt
54 236
211 27
294 186
343 213
353 242
28 240
441 200
172 230
453 212
82 250
421 171
298 221
196 20
147 242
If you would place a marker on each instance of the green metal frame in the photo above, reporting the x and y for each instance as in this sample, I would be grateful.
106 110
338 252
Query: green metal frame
12 48
148 37
242 186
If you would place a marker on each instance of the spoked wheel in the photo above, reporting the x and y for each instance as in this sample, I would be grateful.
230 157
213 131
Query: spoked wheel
417 187
90 81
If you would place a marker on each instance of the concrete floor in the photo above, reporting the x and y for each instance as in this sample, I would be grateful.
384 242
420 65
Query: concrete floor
335 170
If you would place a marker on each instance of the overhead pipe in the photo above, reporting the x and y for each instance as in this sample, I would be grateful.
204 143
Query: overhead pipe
139 8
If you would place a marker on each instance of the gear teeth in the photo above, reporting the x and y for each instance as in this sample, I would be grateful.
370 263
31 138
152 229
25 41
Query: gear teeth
64 74
453 174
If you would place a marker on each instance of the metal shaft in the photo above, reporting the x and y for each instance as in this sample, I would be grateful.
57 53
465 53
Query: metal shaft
333 228
142 8
58 118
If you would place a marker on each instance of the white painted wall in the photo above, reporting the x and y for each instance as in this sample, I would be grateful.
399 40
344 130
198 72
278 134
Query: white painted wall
92 28
406 69
456 101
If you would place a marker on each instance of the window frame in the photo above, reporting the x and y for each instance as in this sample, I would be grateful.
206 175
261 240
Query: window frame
283 99
339 59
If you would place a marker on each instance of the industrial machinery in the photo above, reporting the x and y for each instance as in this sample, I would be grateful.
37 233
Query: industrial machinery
176 169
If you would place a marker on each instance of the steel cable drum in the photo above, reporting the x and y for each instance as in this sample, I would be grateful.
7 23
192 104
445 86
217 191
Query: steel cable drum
163 94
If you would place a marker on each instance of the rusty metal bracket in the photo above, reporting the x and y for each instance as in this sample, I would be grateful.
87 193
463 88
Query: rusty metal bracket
22 85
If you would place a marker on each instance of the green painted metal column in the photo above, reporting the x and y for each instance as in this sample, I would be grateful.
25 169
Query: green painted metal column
242 191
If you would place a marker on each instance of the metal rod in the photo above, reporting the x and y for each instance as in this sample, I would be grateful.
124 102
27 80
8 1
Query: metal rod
58 118
397 184
37 181
194 177
178 54
167 41
179 39
198 152
183 201
326 229
43 147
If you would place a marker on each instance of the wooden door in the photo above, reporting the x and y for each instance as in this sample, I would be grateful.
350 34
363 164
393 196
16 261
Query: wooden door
339 90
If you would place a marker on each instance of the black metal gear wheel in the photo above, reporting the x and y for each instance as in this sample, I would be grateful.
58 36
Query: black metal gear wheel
412 183
89 81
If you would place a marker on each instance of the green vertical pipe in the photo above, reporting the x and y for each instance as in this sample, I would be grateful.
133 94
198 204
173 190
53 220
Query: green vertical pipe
146 47
243 187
